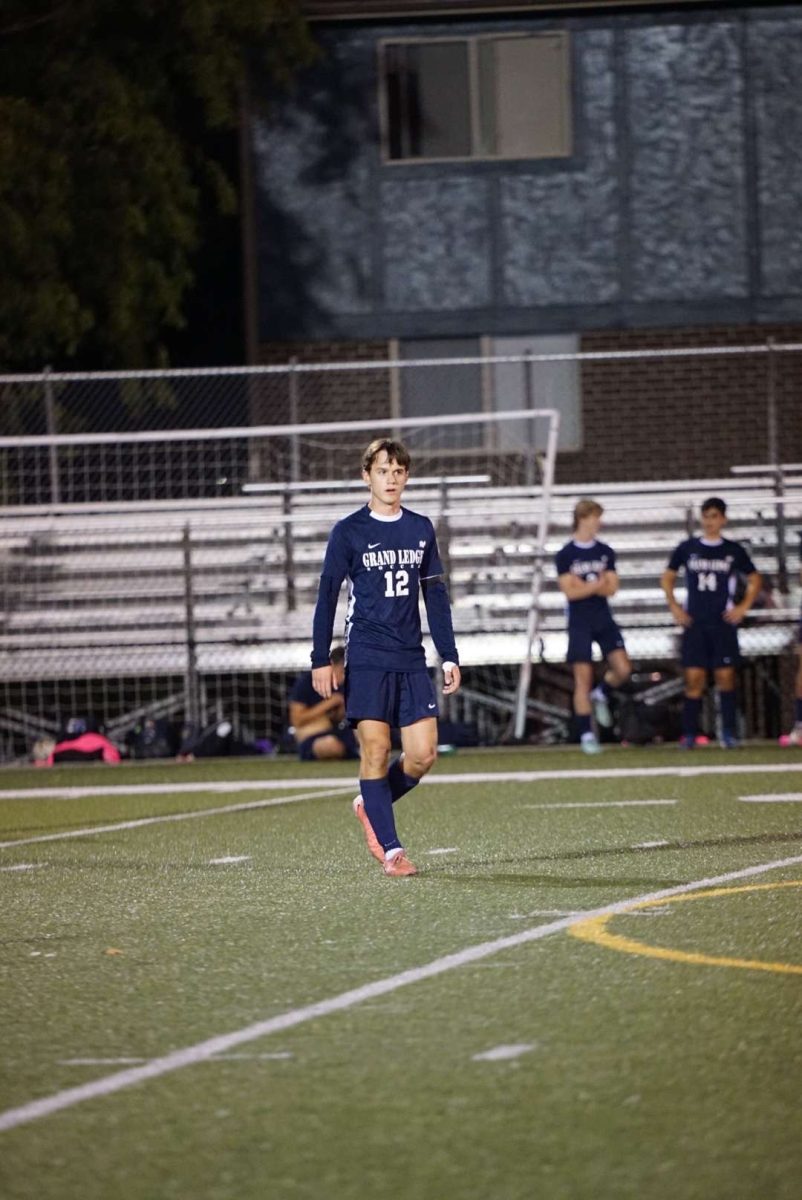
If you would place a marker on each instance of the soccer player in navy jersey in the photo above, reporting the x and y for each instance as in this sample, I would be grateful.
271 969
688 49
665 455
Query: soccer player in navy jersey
320 727
710 617
389 556
587 577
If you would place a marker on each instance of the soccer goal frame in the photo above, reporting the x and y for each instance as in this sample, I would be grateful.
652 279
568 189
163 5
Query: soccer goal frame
195 537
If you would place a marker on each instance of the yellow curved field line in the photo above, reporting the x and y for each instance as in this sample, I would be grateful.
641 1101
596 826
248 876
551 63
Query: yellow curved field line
595 930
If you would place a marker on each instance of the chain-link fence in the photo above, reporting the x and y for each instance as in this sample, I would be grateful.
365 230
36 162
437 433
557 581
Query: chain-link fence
69 438
162 535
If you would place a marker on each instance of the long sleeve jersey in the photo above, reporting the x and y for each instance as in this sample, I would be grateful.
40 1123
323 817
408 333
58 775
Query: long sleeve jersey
388 562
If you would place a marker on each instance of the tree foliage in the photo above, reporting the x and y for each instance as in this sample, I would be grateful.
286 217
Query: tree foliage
111 124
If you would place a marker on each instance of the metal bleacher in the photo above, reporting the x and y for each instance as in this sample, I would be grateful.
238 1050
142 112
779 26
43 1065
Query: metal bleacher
125 589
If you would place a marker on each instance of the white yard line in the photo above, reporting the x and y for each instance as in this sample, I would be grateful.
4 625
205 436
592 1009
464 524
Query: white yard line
604 804
167 789
501 1053
224 1042
182 816
119 1062
23 867
774 798
251 785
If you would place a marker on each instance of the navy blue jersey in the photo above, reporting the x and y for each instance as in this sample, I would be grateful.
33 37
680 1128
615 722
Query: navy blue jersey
386 561
711 574
302 691
586 560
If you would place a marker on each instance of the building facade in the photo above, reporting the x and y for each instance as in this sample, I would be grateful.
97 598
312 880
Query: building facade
458 180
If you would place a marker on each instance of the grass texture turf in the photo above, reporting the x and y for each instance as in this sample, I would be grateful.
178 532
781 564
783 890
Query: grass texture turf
617 1058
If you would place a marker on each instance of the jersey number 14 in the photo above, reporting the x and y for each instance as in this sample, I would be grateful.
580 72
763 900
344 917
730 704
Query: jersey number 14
396 583
706 581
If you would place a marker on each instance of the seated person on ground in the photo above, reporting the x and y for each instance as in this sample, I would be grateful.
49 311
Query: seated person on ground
321 730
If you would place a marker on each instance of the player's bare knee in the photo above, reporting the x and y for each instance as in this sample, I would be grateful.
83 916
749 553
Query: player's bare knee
375 761
419 763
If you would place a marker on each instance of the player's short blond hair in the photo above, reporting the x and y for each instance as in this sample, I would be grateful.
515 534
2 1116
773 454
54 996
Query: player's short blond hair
396 452
586 508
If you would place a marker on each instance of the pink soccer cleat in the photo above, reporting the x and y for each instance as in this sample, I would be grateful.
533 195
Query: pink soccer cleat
399 865
374 845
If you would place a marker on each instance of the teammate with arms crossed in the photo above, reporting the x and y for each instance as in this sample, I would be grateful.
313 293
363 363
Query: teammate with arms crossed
389 556
587 577
710 617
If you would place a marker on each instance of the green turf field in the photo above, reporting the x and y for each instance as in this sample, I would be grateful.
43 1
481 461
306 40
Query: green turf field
209 990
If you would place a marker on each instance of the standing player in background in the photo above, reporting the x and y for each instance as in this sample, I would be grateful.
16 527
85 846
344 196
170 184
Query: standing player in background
587 577
389 555
710 617
794 738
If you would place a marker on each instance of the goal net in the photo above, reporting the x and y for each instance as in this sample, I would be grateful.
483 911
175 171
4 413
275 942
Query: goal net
169 577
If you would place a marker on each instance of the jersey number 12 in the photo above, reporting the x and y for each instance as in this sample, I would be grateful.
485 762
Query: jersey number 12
397 585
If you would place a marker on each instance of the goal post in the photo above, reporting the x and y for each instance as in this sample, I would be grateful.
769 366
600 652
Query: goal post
137 598
533 616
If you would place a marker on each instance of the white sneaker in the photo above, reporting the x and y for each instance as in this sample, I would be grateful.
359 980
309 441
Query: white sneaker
601 708
589 743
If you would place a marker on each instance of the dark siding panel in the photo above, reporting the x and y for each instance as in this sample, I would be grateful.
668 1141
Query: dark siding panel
687 144
436 244
777 66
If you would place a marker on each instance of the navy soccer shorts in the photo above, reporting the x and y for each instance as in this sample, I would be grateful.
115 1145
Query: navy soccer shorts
399 698
343 733
581 639
710 645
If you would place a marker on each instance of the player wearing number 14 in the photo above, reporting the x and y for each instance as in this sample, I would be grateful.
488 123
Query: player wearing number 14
710 617
389 556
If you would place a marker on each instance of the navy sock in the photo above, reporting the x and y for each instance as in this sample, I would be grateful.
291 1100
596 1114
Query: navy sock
583 723
690 716
378 802
798 711
400 782
727 704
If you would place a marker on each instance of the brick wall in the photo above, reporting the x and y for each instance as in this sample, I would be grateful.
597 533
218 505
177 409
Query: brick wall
325 396
684 418
650 419
329 396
